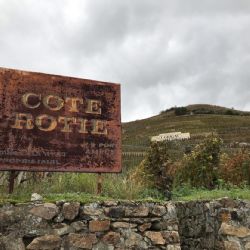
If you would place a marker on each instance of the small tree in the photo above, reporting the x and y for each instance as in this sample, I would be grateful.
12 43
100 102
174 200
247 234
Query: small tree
200 168
158 168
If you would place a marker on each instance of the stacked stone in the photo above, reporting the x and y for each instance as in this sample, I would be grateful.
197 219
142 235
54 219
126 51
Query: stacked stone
235 224
107 225
218 224
201 225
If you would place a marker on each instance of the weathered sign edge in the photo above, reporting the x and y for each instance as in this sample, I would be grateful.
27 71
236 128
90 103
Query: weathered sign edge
2 69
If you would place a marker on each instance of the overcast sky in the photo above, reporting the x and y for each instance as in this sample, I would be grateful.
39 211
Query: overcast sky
164 53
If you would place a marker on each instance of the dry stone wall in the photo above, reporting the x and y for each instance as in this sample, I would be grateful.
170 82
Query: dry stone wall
218 224
108 225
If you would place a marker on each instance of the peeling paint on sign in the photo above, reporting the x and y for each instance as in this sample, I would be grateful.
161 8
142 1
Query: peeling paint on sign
57 123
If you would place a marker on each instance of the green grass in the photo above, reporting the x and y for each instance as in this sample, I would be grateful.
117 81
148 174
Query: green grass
189 194
81 197
82 188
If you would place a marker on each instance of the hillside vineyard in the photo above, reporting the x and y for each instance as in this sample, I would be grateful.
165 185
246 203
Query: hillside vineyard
45 122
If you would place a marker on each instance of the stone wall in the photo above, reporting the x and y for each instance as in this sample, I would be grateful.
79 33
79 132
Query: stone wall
107 225
219 224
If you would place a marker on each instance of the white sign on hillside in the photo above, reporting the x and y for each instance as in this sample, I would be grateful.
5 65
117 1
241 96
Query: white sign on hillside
171 136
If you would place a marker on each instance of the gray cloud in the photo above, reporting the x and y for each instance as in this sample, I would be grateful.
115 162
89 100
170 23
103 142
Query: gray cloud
164 53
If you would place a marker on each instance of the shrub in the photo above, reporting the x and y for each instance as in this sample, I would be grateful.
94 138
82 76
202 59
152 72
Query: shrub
180 111
200 168
236 168
231 112
158 168
167 110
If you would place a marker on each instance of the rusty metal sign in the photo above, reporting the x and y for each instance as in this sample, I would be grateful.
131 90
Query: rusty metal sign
57 123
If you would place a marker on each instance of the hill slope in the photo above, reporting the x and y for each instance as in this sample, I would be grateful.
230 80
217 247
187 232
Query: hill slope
204 109
231 128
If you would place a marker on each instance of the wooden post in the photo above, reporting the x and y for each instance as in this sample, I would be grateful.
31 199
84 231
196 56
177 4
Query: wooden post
12 181
99 183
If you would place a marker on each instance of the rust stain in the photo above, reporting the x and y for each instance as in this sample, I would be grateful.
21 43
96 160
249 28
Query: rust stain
57 123
225 216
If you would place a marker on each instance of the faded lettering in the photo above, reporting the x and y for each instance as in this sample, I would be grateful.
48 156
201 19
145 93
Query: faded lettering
49 123
23 120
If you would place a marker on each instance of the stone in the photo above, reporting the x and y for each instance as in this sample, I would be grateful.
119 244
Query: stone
144 227
46 211
240 232
228 202
48 242
232 245
171 237
36 197
171 212
103 246
59 218
85 241
115 212
155 237
99 225
158 210
247 246
173 247
33 226
70 210
134 240
209 225
78 225
112 238
110 203
92 210
139 220
119 224
137 211
6 218
62 229
11 242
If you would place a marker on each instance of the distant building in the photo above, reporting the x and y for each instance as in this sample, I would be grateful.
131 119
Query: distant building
171 136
